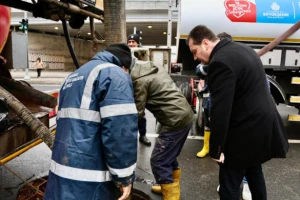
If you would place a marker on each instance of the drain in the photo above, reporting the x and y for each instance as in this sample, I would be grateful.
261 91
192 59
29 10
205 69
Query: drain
37 193
139 195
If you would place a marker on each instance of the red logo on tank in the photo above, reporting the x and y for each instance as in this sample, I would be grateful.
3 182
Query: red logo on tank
240 10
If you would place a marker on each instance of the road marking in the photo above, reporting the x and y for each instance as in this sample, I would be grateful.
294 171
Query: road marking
295 118
194 137
294 141
295 80
295 99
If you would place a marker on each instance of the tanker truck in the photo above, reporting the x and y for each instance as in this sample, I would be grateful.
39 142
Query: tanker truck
255 23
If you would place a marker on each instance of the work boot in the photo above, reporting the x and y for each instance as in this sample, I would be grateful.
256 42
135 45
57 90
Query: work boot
205 149
176 178
171 191
143 139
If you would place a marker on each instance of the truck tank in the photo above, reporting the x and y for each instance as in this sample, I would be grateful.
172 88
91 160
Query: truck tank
245 20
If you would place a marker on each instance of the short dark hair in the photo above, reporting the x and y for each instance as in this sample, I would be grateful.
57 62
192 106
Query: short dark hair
224 35
199 33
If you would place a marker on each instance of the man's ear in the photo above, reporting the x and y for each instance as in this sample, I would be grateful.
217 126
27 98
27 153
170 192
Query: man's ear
205 44
125 69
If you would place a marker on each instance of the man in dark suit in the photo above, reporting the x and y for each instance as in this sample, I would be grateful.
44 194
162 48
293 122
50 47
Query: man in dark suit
246 128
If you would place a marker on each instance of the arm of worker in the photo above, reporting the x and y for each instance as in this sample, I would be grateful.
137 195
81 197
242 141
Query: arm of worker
221 83
3 60
119 121
140 96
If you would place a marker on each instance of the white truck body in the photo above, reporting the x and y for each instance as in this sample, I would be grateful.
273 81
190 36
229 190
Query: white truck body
249 20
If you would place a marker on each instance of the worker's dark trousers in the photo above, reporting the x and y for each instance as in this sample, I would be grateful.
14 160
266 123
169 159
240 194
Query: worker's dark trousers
167 147
142 124
231 179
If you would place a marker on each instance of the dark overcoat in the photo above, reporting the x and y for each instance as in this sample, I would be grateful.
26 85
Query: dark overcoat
245 123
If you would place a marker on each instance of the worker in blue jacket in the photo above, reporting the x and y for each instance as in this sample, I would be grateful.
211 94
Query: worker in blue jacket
95 148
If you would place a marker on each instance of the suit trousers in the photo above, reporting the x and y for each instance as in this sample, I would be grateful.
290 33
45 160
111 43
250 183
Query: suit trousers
230 181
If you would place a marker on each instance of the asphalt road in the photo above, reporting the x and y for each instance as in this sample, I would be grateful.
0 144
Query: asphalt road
45 88
199 178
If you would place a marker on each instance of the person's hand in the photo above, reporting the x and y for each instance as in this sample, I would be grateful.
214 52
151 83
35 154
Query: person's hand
4 60
221 160
201 83
126 192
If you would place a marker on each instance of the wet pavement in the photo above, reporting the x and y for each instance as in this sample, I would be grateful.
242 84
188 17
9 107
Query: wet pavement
199 176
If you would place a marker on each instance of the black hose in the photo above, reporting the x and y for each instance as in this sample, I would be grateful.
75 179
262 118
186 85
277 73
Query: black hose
67 36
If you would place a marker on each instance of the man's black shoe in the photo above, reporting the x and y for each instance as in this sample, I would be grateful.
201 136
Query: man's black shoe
143 139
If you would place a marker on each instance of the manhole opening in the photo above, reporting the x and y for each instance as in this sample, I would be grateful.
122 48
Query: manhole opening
30 193
139 195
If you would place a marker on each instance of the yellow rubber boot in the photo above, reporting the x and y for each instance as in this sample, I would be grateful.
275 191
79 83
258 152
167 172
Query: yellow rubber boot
171 191
176 178
205 149
156 189
176 175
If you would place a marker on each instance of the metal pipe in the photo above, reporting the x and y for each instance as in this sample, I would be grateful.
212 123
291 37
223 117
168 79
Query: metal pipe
19 5
74 9
281 38
23 150
27 94
93 32
28 118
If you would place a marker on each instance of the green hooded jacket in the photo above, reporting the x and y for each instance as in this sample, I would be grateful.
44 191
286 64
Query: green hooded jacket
156 91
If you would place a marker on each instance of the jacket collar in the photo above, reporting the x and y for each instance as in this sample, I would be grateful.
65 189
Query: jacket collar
107 57
221 44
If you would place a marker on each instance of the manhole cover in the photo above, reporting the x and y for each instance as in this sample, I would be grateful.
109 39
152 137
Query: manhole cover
39 185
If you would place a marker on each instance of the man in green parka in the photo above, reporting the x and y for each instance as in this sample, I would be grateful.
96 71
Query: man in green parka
155 90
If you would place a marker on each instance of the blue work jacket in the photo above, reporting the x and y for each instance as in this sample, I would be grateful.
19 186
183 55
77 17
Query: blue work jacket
95 147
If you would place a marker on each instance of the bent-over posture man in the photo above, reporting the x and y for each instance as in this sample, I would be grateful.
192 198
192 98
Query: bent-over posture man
155 90
95 148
